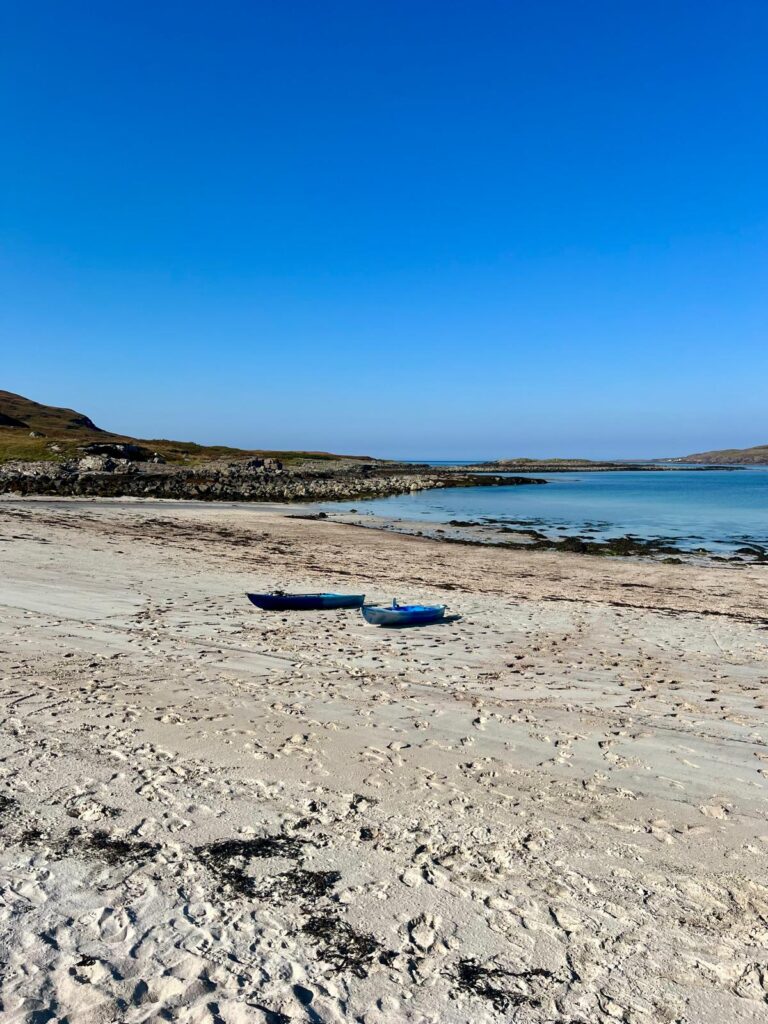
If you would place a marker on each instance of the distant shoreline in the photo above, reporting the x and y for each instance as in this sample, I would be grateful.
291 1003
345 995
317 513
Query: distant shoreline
574 466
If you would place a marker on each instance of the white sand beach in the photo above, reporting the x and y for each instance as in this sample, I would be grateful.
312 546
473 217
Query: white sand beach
552 810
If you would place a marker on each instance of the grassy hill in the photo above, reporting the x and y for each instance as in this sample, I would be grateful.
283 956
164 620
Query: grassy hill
32 431
756 456
24 412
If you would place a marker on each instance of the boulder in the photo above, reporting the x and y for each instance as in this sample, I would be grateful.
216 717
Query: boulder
96 464
261 465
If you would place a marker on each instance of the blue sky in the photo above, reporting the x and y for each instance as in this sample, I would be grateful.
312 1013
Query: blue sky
405 228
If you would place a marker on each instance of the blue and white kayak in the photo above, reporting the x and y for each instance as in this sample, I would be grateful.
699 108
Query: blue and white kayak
279 602
402 614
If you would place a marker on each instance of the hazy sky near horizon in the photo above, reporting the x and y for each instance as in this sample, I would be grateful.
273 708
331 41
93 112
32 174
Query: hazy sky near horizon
415 228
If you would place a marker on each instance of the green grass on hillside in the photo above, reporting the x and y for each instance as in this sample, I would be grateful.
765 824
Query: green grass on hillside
16 444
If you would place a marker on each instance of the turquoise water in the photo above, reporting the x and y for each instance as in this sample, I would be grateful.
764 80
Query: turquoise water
717 510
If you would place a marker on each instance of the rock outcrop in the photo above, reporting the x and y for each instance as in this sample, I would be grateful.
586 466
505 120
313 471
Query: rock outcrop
122 450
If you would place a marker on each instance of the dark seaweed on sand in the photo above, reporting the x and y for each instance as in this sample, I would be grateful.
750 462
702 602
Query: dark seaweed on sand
337 943
501 988
340 945
112 850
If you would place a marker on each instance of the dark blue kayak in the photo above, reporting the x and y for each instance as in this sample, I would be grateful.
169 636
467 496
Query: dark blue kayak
305 602
403 614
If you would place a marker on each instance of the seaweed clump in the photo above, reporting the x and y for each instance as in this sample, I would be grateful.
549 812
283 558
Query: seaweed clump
340 945
616 547
228 859
503 989
336 941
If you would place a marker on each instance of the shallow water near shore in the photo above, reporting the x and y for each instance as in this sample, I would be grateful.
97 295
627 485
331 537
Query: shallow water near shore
717 510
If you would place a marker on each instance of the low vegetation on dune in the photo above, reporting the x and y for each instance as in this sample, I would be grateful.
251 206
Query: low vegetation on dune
33 432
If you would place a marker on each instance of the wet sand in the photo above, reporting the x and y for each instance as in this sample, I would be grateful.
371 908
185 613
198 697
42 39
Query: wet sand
551 810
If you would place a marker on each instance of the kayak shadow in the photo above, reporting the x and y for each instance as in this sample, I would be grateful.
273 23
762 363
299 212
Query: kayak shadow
445 621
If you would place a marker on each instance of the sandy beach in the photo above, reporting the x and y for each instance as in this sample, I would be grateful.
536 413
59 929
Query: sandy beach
554 809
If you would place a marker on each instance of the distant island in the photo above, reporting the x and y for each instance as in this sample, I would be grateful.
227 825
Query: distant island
756 456
527 465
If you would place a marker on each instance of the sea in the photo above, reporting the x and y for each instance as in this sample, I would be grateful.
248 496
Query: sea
716 509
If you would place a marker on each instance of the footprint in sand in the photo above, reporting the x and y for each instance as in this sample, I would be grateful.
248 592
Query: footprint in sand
115 926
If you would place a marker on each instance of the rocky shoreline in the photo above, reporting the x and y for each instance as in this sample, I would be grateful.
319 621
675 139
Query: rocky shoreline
499 533
255 480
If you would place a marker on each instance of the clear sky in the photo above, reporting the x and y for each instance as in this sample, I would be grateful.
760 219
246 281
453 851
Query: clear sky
415 228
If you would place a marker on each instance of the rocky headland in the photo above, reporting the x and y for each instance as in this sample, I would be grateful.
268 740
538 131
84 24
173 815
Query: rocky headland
49 450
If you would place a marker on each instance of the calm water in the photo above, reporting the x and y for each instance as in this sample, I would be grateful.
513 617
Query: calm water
715 510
